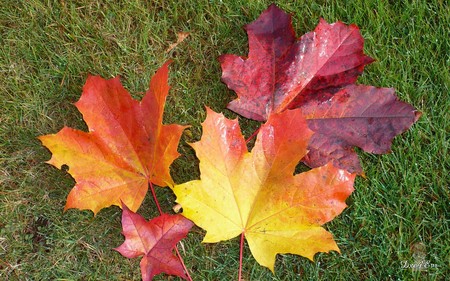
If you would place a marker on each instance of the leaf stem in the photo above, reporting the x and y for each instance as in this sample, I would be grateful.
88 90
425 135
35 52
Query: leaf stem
154 197
161 212
253 135
241 251
182 263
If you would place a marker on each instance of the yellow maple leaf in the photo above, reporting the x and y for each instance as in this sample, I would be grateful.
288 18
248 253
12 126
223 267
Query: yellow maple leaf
257 194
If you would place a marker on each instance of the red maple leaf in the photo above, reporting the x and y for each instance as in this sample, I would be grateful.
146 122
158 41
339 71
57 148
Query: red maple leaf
283 72
154 240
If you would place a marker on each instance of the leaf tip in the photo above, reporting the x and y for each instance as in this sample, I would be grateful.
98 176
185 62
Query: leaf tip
417 115
322 21
363 175
167 63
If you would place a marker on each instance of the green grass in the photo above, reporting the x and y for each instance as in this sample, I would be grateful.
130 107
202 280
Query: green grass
47 48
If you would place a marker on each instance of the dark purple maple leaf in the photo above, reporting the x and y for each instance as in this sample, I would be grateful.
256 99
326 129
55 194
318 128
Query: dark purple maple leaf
357 115
283 72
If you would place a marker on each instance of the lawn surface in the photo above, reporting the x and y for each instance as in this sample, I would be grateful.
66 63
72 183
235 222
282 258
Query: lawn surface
398 215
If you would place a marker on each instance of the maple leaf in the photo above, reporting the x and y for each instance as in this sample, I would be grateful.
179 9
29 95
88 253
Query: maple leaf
256 194
127 145
282 72
155 241
362 116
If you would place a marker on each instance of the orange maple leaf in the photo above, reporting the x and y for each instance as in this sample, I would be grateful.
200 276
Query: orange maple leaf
257 194
126 148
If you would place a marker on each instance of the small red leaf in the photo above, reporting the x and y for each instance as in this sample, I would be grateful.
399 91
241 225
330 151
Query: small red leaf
155 241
